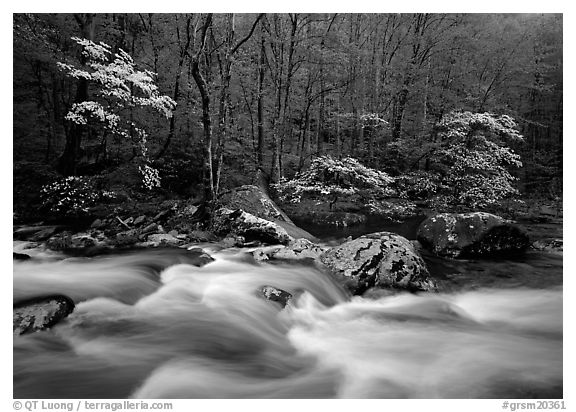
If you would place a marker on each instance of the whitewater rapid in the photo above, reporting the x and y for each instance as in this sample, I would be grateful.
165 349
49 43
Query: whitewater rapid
152 325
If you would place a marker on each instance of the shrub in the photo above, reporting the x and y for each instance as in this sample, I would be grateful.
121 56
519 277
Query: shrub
418 185
71 196
335 178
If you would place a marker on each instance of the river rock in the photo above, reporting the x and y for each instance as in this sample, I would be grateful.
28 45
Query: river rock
35 233
298 249
97 224
549 245
80 240
274 294
471 234
20 256
158 239
253 199
251 228
201 236
40 313
199 257
378 260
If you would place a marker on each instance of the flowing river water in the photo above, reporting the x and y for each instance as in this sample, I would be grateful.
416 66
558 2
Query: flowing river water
152 325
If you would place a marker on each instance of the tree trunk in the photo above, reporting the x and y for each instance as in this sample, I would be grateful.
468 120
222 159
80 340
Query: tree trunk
68 162
209 193
183 53
261 73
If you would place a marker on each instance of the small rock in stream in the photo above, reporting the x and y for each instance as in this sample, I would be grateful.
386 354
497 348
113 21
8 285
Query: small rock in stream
40 313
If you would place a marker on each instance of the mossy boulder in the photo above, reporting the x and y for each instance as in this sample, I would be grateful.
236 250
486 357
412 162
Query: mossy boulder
460 235
253 199
378 260
297 250
251 228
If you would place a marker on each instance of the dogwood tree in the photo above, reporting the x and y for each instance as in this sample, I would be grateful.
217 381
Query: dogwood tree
473 150
334 179
120 85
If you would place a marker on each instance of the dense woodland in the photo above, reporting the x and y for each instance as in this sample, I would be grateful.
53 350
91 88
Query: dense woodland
276 91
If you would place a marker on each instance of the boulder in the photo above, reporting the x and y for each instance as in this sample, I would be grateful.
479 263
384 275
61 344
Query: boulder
471 234
251 228
378 260
20 256
40 313
198 257
275 295
253 199
297 250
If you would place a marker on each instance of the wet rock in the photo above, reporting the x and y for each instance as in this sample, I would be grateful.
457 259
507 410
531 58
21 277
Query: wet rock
233 241
275 295
73 241
549 245
295 231
252 228
200 257
254 200
378 260
471 234
260 255
35 233
201 236
20 256
297 250
40 313
97 224
378 293
158 239
126 238
189 210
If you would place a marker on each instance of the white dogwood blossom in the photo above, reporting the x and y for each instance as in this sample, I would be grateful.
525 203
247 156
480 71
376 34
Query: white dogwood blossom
120 85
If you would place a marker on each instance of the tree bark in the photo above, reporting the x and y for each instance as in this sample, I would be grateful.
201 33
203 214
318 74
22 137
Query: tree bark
176 95
68 162
260 110
209 193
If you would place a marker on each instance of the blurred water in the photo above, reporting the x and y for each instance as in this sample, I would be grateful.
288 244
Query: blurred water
151 325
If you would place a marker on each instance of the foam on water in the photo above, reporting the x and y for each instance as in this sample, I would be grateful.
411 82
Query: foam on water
150 325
